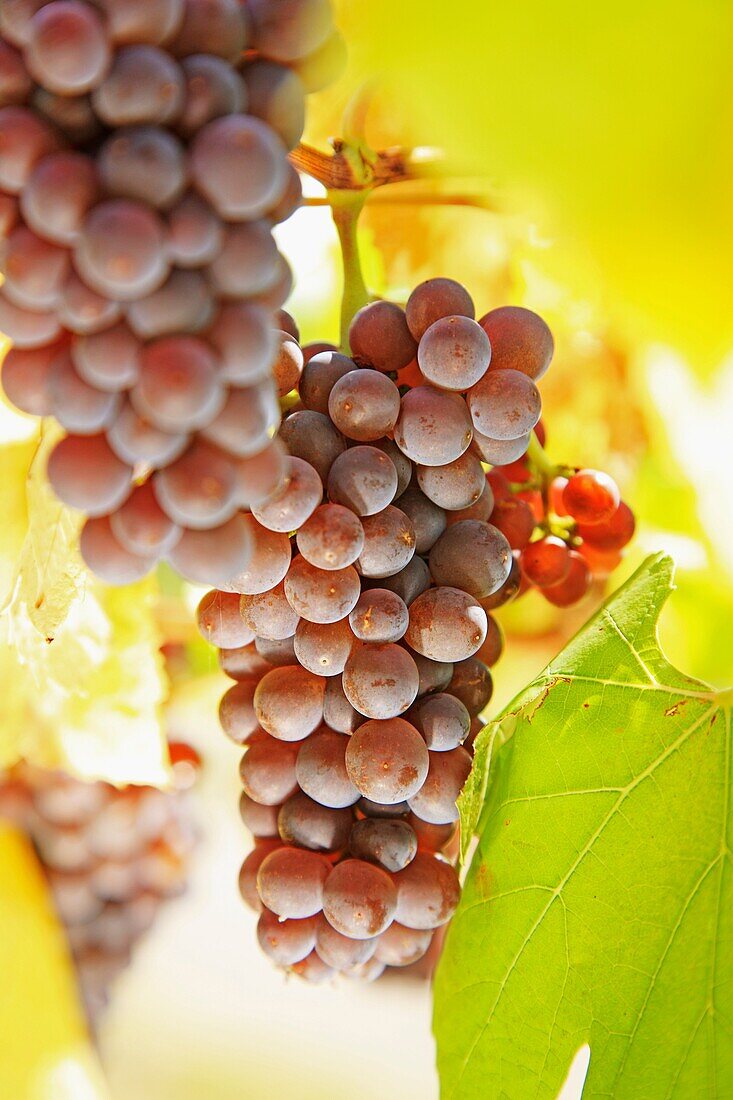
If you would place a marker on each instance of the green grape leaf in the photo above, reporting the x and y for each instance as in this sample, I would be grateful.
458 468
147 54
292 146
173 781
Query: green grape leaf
598 907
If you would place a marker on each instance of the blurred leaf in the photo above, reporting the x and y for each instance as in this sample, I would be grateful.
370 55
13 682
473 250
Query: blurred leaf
81 674
599 905
45 1053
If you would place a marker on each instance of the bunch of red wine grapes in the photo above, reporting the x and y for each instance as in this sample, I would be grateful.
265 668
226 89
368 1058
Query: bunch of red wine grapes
360 636
143 165
112 858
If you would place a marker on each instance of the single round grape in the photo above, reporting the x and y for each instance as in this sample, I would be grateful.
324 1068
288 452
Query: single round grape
261 475
287 30
73 115
244 663
434 427
296 502
432 838
338 713
443 721
574 587
435 299
179 388
312 437
473 556
212 27
213 88
106 558
220 622
454 353
428 519
236 711
591 497
321 595
480 510
434 675
515 519
27 329
289 702
85 474
135 440
120 252
34 270
307 824
428 892
285 941
410 582
339 951
247 262
67 50
269 562
321 770
435 802
277 652
251 865
457 484
61 190
380 680
324 65
198 490
109 360
323 648
520 340
401 946
238 164
291 882
610 534
379 337
141 526
287 323
499 452
269 614
332 538
214 556
143 163
359 899
446 624
389 543
321 372
26 375
367 972
505 404
546 561
245 342
83 311
25 379
379 616
363 479
152 21
276 95
288 364
184 304
24 140
392 844
493 646
267 771
77 406
472 684
364 405
387 761
144 86
15 82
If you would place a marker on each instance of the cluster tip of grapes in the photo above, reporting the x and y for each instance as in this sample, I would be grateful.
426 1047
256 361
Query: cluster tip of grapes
143 165
361 636
112 858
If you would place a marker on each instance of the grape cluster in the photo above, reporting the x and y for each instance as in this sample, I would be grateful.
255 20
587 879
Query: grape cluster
112 858
143 165
360 637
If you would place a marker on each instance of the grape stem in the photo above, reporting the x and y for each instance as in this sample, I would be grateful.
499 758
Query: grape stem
346 206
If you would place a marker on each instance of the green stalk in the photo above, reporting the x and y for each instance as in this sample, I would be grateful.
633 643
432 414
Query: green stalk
346 206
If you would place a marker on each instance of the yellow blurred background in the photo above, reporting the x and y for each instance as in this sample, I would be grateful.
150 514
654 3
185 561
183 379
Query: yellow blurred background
600 141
